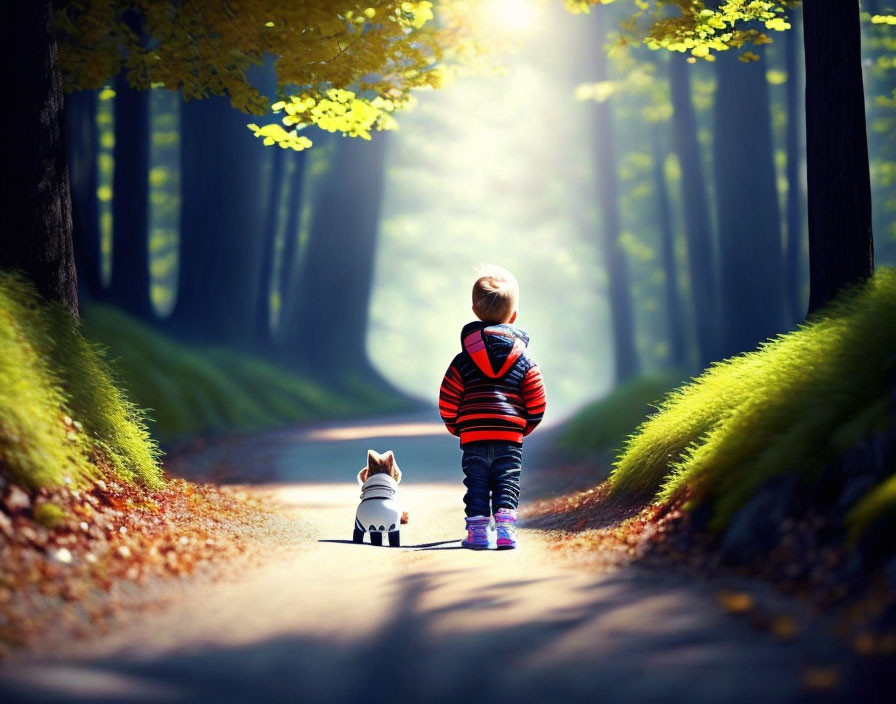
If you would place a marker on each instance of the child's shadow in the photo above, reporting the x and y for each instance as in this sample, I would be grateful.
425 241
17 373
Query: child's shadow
440 545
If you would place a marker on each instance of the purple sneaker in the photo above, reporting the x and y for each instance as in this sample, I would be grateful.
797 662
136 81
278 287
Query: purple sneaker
478 534
505 520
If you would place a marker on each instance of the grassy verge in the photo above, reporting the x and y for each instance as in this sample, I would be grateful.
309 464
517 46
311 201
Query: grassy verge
65 409
192 390
778 464
84 509
790 408
61 412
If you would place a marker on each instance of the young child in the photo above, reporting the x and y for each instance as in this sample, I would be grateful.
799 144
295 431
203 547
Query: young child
492 395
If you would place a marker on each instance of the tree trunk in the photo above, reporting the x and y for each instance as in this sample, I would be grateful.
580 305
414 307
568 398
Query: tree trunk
751 259
129 287
263 336
841 245
793 145
674 318
325 327
222 218
36 228
291 232
80 118
619 289
701 259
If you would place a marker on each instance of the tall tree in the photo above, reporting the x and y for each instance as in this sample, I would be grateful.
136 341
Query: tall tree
794 149
841 244
263 331
191 46
291 231
750 254
880 87
619 287
695 202
221 239
36 227
674 317
281 243
80 117
326 312
129 286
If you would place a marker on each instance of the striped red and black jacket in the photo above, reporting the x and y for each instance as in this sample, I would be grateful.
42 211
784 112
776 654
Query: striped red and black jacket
492 390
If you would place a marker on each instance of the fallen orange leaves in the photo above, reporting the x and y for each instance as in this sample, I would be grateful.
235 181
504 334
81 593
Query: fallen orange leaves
735 602
65 574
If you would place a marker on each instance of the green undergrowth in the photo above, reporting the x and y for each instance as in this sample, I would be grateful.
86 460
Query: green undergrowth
60 407
192 390
793 405
601 426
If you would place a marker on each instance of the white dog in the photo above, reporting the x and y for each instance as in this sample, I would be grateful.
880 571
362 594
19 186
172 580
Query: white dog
379 511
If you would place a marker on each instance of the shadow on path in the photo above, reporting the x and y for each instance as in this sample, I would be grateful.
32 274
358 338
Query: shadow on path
407 625
420 546
644 643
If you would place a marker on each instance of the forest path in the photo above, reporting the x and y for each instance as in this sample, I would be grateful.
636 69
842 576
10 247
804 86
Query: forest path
322 619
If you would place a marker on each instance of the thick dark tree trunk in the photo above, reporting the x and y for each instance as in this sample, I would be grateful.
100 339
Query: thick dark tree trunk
80 117
130 282
841 245
701 260
263 336
291 231
793 144
36 225
751 259
221 225
674 318
326 313
619 289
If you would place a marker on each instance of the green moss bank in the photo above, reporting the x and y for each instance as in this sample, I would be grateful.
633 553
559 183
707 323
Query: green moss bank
194 390
791 407
67 386
61 411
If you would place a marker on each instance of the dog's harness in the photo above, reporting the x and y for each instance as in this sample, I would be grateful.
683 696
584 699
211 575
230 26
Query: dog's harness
379 486
378 510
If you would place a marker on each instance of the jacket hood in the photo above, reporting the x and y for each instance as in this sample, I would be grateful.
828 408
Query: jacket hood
493 348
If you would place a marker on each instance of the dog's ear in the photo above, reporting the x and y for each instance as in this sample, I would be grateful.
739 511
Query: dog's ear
363 474
392 466
373 458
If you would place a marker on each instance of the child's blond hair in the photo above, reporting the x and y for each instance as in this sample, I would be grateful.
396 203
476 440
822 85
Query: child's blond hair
495 294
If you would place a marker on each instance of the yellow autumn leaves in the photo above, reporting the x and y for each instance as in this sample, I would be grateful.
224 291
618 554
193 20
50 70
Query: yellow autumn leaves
696 29
275 134
336 110
356 113
701 31
342 65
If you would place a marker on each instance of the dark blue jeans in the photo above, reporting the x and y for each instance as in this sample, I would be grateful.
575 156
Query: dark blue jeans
492 476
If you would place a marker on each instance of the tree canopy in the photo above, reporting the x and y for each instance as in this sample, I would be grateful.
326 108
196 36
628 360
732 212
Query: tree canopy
341 65
698 29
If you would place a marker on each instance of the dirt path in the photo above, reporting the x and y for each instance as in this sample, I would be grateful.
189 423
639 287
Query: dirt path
325 620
